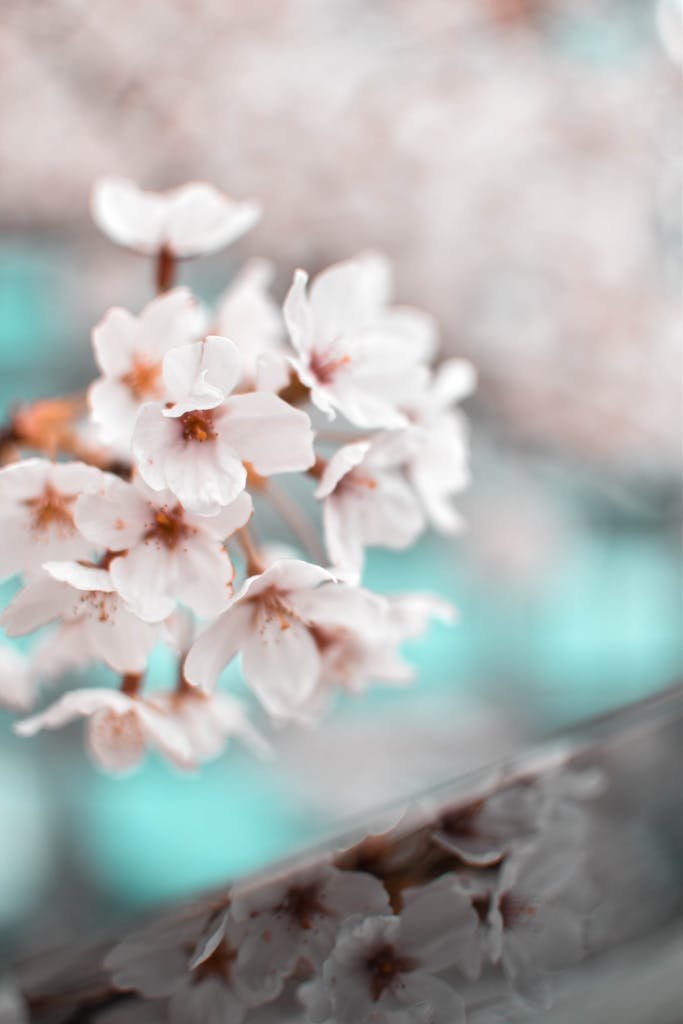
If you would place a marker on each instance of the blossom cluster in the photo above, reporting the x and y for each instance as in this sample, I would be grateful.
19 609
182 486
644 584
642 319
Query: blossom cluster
465 917
132 516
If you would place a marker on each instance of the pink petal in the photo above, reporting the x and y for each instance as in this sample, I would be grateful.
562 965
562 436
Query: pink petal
129 215
268 433
217 646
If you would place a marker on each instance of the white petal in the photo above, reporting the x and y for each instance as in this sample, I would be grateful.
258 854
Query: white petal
74 704
281 664
230 518
82 577
204 476
166 735
114 341
205 575
115 518
454 380
17 685
200 375
121 639
349 295
115 741
129 215
113 409
343 460
268 433
171 319
154 436
287 575
298 315
201 219
145 579
41 601
217 646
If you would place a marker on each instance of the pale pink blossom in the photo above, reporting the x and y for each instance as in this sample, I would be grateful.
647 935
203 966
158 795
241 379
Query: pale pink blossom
129 352
166 553
17 681
494 824
437 442
83 596
249 316
210 721
119 728
187 221
367 502
383 969
193 961
37 501
298 917
273 620
197 444
355 657
358 355
533 916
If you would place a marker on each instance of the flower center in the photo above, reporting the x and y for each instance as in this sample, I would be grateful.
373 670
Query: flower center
515 910
198 425
217 965
142 380
384 966
272 605
302 904
51 511
169 527
325 367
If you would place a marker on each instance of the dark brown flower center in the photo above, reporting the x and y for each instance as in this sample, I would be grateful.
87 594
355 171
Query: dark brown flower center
51 510
169 527
384 966
198 425
217 965
514 909
302 904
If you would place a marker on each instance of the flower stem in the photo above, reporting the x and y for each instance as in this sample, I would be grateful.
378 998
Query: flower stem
165 270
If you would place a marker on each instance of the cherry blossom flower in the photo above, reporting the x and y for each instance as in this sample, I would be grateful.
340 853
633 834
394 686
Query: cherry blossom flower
85 596
353 658
358 355
167 554
494 824
383 969
37 500
129 351
197 444
119 728
298 917
367 502
437 438
187 221
210 721
17 679
533 918
248 315
192 960
273 620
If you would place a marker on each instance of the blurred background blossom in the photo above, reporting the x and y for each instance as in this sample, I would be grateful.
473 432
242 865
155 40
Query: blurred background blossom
520 162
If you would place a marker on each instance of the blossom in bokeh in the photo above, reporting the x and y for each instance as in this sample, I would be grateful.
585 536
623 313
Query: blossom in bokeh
187 221
120 727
